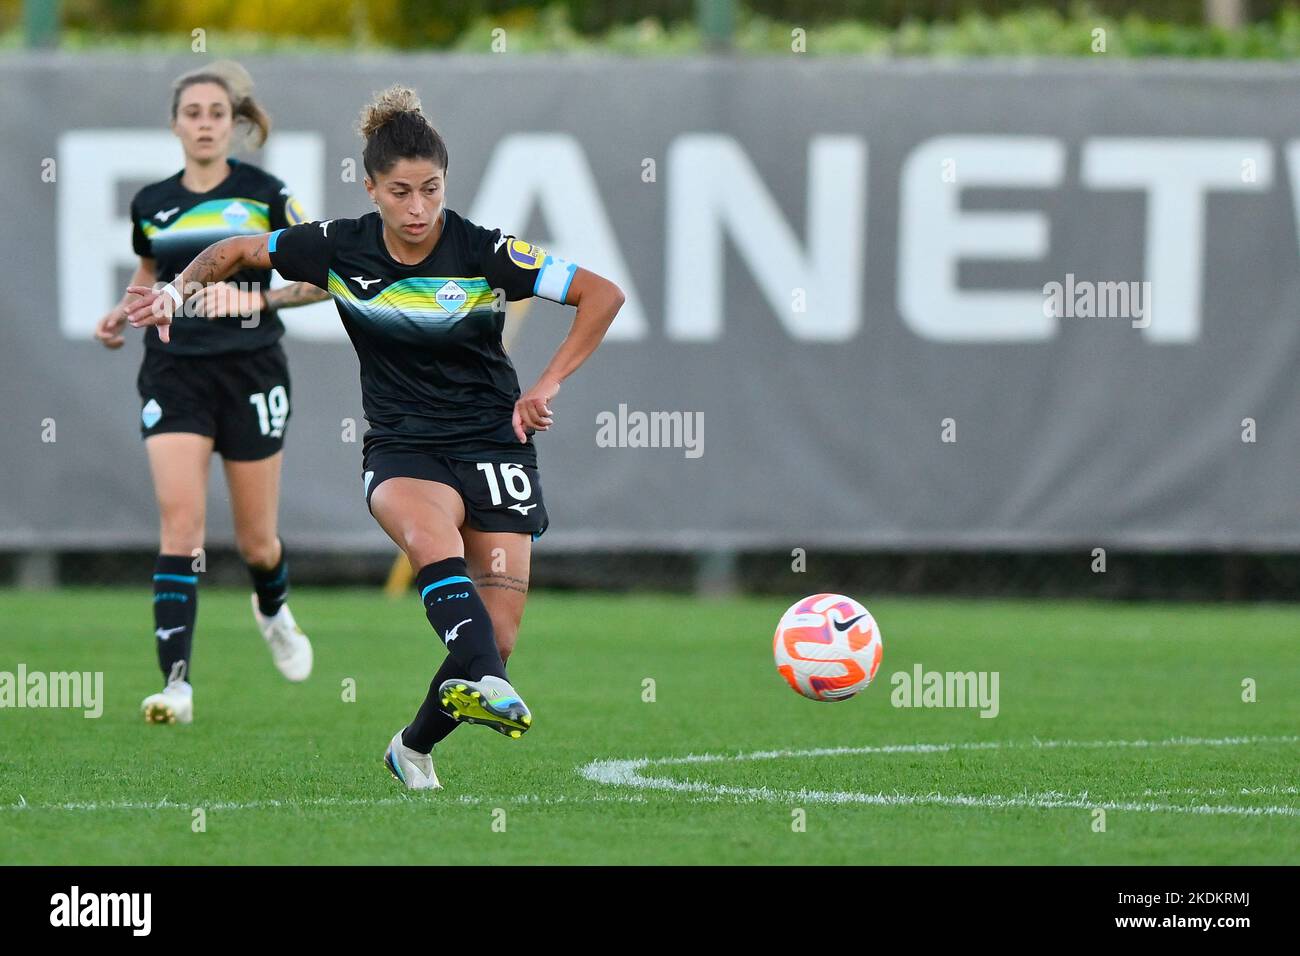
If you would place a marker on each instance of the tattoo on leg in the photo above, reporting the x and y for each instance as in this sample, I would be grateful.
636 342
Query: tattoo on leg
503 581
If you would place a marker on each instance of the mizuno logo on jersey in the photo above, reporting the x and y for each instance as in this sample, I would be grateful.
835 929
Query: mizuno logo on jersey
364 283
325 227
524 509
162 215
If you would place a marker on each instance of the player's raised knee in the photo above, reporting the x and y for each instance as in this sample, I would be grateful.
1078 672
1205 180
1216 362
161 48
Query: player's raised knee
423 547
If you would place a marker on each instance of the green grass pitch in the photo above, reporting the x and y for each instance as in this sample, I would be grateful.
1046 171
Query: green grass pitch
1134 709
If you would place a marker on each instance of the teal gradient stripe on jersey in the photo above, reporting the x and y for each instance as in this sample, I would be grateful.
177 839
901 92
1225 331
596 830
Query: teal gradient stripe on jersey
229 217
429 303
196 241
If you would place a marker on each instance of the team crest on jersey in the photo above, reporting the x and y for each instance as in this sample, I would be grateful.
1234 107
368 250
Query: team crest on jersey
526 255
235 214
451 296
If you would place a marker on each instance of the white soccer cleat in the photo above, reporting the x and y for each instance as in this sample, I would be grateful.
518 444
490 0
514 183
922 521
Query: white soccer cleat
289 645
174 704
412 768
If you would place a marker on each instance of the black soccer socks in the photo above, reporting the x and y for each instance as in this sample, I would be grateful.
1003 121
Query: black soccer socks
460 618
175 607
272 586
432 722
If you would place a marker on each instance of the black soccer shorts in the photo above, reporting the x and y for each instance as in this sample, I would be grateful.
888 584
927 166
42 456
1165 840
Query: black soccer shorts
498 496
238 399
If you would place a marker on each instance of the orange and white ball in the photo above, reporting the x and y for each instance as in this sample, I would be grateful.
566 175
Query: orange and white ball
828 647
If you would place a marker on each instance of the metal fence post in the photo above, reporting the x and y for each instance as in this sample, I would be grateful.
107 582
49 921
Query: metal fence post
41 23
717 22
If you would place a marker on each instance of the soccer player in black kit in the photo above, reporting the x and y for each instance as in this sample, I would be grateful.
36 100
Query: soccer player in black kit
225 387
448 465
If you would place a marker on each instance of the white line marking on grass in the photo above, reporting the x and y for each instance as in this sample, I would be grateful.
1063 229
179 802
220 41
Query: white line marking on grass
1221 792
627 773
270 804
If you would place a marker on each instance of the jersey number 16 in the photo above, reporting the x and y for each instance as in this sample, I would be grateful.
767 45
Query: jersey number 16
512 476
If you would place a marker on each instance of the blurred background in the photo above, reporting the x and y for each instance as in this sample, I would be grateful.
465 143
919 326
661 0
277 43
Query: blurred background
838 225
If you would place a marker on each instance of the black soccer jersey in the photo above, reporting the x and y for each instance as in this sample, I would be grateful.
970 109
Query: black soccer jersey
172 225
428 336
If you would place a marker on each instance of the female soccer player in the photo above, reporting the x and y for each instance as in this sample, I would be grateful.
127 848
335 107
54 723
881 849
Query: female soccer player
449 467
225 386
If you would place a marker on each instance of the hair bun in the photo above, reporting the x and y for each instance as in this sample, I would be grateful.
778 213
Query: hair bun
387 105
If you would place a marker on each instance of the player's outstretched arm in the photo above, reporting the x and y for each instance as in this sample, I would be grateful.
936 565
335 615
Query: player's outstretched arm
218 261
222 298
598 301
293 295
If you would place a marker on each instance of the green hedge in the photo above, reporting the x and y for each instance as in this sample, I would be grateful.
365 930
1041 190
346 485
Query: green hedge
1031 32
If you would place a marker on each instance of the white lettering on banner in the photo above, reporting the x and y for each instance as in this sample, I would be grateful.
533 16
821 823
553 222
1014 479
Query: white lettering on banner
714 189
551 171
1292 152
94 240
935 234
714 195
1175 173
299 159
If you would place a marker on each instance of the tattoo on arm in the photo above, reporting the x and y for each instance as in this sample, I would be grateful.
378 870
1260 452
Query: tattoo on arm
291 296
223 259
208 266
503 581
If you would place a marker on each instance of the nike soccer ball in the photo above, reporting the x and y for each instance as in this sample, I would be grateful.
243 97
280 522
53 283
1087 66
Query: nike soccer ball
827 647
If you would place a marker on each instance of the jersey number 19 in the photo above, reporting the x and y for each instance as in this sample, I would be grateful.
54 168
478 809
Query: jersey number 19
272 410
